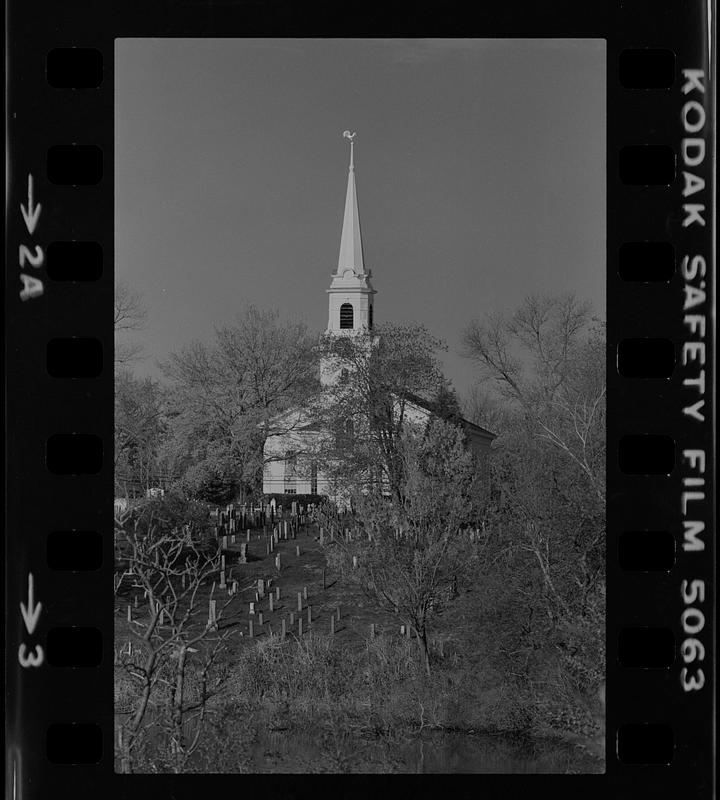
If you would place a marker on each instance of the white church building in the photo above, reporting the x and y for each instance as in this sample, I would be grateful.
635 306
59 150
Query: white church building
351 299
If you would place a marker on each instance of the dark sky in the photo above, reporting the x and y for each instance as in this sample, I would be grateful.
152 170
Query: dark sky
480 169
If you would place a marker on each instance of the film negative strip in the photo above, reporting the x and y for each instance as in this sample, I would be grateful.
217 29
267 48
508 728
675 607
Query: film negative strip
62 121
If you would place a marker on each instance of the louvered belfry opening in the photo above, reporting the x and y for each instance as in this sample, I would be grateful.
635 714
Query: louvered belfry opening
346 316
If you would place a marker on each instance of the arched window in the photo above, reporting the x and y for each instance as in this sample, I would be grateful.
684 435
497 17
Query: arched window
346 315
370 317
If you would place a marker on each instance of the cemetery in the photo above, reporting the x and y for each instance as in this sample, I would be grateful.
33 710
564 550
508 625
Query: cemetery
299 645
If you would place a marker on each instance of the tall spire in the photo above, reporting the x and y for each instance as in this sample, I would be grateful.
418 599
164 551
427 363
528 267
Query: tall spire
351 254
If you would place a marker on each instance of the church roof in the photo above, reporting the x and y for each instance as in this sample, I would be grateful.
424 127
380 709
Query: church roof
351 253
466 423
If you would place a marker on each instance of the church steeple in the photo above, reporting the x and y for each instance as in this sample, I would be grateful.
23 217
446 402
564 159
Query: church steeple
351 253
350 298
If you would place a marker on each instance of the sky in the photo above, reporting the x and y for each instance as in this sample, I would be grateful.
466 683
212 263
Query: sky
480 170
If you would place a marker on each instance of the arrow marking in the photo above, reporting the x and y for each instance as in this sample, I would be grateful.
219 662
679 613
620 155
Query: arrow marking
31 214
31 613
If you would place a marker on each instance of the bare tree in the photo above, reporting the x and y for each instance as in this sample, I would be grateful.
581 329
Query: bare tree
414 550
130 315
140 432
543 379
176 639
548 362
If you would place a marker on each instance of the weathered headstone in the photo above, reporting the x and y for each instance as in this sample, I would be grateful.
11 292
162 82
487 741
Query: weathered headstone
252 607
299 601
242 559
260 619
297 551
212 614
129 613
261 587
271 598
304 592
277 593
282 629
277 562
372 630
355 562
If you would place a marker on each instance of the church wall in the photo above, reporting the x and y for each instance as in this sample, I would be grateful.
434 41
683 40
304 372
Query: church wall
276 468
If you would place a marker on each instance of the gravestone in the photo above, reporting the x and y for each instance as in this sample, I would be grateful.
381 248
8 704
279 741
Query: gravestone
212 614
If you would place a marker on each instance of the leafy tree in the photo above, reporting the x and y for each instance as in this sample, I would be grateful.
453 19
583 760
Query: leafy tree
226 397
212 480
446 403
383 378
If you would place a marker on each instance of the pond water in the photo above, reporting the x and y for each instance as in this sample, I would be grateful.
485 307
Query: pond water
290 751
433 752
